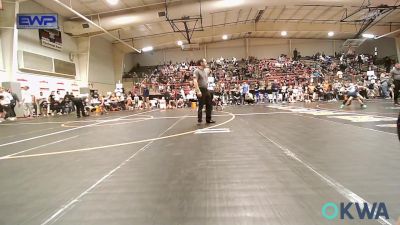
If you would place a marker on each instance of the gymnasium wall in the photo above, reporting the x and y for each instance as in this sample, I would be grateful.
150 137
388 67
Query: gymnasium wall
258 47
2 63
386 47
2 76
1 56
28 40
6 36
101 67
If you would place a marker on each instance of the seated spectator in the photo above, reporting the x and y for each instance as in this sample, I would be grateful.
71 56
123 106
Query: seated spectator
5 101
249 98
114 101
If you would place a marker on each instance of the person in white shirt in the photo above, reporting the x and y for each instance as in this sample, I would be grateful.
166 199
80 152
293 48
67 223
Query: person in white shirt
339 74
57 96
27 102
5 101
211 84
41 104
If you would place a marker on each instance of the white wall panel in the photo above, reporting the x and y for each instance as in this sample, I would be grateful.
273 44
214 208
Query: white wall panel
268 48
28 39
101 66
258 47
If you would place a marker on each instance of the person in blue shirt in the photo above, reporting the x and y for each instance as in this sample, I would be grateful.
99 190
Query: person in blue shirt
257 92
245 90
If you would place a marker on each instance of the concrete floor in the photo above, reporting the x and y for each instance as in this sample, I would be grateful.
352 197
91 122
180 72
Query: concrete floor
276 165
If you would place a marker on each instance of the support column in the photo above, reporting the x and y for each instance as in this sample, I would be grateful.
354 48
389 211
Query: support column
165 56
83 61
9 42
118 61
398 48
334 47
247 54
205 51
290 49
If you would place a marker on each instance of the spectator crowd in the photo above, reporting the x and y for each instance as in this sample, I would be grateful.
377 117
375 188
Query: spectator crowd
232 82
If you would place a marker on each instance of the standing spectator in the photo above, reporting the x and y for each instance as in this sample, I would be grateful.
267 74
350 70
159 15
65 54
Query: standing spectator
275 91
67 102
284 90
14 103
257 92
27 102
295 54
388 63
396 77
146 96
52 106
245 91
385 86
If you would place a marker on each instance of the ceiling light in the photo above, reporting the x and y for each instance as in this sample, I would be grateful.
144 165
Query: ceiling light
180 43
123 20
284 33
112 2
229 3
368 35
225 37
331 33
147 49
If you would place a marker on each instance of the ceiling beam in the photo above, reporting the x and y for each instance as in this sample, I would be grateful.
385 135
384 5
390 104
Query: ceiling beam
225 16
277 26
160 5
335 14
307 14
248 15
238 17
260 14
295 12
148 28
97 26
300 30
270 13
280 13
323 13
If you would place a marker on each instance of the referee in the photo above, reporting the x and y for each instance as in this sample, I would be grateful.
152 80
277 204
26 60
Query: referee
398 130
201 86
80 107
396 77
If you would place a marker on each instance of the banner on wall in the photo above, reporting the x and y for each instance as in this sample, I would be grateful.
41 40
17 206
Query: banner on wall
51 38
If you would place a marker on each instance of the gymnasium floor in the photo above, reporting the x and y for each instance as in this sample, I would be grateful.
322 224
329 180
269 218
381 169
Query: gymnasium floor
259 164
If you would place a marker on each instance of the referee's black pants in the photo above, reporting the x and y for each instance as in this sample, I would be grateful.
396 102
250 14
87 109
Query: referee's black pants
80 108
396 91
205 99
398 127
